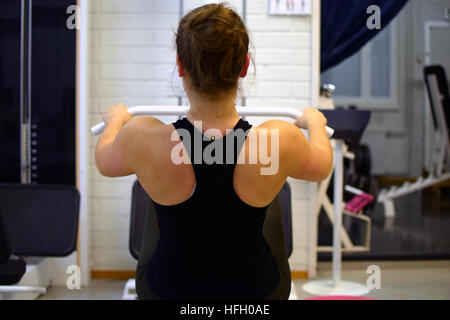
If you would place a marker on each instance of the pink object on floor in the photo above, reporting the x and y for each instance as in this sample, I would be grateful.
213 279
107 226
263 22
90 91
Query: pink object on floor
359 202
339 298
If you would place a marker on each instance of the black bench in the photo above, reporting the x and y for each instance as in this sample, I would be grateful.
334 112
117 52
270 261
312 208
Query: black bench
35 221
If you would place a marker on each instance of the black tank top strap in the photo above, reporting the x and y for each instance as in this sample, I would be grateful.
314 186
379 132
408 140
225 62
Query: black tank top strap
203 155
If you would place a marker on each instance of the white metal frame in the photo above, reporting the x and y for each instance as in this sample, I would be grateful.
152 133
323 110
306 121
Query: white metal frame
182 110
315 45
129 291
33 283
22 289
82 141
440 153
324 202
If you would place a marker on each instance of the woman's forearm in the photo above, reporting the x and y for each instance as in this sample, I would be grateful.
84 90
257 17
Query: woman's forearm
110 132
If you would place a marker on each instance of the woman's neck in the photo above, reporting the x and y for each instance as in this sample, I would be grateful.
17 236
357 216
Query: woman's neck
218 113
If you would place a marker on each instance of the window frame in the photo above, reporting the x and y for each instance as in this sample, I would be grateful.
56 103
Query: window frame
365 101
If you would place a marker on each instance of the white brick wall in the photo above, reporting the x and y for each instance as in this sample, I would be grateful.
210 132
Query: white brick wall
132 53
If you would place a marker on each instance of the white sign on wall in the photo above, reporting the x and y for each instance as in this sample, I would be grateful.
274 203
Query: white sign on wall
290 7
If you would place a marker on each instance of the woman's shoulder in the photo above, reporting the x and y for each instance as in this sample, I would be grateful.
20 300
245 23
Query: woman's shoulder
286 131
278 124
147 126
147 133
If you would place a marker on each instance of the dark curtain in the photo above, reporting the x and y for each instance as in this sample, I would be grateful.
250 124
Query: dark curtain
344 27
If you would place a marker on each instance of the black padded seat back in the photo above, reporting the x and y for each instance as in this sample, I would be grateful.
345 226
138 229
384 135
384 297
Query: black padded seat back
40 220
439 72
284 198
347 123
12 272
141 205
5 246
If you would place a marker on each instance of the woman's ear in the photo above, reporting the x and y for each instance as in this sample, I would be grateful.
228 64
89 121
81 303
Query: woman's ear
246 65
180 67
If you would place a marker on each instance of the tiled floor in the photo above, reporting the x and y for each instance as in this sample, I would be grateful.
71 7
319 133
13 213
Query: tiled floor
97 290
420 229
399 280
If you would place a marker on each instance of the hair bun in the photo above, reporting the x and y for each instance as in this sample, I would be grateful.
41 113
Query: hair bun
212 44
211 31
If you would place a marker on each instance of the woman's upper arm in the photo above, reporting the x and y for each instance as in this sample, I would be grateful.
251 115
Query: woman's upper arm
124 154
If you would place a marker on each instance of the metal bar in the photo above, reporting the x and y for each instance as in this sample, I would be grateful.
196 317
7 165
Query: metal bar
438 106
82 141
243 111
25 90
22 289
416 186
244 18
338 179
329 210
353 190
352 249
180 16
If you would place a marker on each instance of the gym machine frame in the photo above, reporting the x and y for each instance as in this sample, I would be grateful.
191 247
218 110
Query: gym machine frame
25 120
440 144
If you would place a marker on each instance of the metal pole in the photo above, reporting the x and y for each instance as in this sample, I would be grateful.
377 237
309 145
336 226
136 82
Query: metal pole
180 16
22 289
25 91
430 144
244 18
82 163
337 199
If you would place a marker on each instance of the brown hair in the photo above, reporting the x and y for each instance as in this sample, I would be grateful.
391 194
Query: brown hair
212 44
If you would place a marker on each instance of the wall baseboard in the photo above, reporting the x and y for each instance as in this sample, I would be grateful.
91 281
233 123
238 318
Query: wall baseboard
299 274
127 274
113 274
388 180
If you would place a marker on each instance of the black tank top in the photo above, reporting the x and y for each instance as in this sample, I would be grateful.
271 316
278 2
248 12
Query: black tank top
212 246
